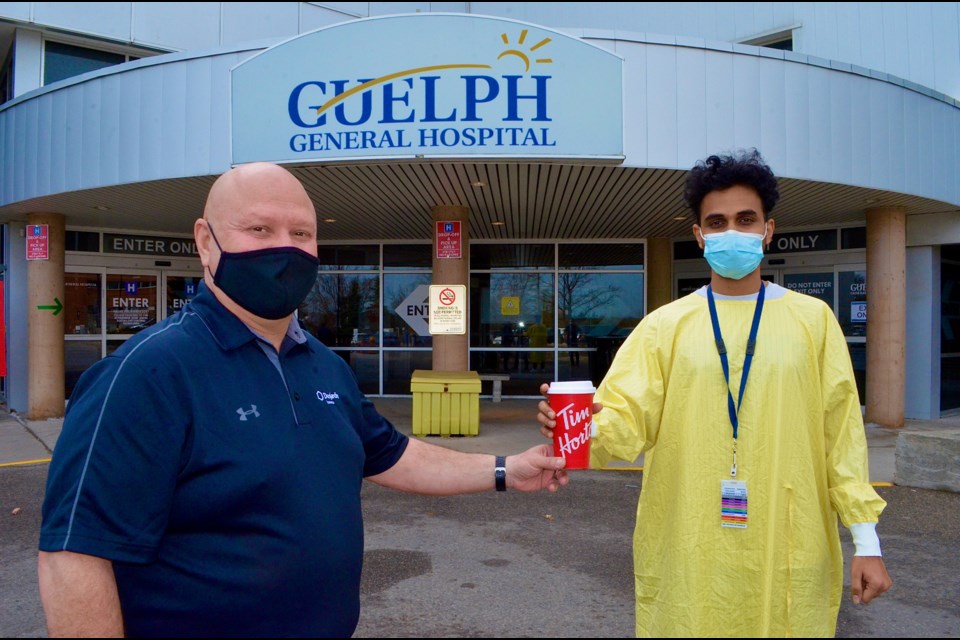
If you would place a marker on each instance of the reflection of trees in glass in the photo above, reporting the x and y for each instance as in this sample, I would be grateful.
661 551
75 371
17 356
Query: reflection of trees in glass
396 298
396 330
520 285
534 291
583 299
397 292
341 303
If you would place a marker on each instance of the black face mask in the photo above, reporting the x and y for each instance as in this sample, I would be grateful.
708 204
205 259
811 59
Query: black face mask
269 283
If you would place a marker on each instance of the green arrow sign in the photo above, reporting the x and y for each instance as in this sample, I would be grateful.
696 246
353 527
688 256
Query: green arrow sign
57 308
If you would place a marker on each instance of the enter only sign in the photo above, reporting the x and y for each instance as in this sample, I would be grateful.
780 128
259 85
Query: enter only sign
448 309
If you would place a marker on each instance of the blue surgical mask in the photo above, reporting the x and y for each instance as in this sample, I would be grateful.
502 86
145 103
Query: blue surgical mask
733 254
269 283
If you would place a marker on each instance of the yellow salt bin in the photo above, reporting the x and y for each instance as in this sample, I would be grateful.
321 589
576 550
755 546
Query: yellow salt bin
445 403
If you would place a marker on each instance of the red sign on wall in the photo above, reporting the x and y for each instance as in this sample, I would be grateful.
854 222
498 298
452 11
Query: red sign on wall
449 240
38 242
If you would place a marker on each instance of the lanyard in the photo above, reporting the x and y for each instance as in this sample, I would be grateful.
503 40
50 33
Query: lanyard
732 409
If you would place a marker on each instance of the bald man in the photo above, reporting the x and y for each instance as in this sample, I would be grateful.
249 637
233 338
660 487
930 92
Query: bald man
207 479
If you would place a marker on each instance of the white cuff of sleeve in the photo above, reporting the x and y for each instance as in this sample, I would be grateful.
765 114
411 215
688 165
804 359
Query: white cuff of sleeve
865 539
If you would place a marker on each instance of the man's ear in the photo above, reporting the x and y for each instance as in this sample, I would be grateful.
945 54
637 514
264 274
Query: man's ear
201 234
771 225
698 235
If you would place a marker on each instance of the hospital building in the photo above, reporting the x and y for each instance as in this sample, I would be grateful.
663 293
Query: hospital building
498 185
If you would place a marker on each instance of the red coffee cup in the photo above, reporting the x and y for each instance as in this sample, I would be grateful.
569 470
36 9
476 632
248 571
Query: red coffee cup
572 401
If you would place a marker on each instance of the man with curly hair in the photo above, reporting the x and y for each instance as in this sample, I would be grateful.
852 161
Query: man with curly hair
743 398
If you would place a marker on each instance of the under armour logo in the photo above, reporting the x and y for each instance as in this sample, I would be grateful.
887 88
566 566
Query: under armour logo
244 414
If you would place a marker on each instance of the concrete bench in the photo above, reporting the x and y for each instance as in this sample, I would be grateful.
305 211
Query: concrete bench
498 380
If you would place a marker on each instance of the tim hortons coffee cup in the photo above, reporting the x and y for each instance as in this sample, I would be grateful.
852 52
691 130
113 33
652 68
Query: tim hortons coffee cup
572 402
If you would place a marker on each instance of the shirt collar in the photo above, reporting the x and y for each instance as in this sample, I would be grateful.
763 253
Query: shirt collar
773 292
291 339
228 330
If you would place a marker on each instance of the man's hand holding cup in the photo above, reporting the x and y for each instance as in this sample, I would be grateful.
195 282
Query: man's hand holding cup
566 416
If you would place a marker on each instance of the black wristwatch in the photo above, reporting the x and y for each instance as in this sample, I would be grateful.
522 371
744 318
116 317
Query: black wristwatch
500 473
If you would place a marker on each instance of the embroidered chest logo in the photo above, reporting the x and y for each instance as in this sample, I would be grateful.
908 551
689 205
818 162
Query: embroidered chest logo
252 411
327 397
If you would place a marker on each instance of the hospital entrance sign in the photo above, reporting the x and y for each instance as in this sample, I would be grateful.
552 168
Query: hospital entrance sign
428 85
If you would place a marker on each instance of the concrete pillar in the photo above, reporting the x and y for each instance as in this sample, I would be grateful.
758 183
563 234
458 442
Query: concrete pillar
886 315
45 288
659 272
452 352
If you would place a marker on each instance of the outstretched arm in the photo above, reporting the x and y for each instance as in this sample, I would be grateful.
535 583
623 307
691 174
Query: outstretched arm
433 470
79 595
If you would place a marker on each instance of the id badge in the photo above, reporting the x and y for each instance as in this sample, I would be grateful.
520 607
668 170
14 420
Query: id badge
733 504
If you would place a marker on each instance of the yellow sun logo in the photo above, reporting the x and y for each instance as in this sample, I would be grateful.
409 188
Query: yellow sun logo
521 54
441 67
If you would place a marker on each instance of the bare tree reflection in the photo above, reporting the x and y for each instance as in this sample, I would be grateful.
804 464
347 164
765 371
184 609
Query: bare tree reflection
345 304
583 301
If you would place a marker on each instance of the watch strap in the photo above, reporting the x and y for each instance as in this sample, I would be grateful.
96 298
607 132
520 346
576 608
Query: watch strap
500 473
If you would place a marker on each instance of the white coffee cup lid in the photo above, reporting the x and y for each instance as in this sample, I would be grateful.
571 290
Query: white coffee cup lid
572 386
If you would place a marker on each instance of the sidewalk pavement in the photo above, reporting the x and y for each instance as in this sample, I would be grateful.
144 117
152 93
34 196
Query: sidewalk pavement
473 566
505 427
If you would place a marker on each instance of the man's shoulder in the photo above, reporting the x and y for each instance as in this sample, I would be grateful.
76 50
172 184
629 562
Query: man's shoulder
327 358
692 300
808 305
155 359
329 361
668 316
678 309
178 337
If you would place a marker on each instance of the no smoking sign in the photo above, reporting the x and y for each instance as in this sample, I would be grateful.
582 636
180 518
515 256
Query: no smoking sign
448 309
447 296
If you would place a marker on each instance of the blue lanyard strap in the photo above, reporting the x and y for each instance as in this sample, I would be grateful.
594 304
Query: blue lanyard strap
722 350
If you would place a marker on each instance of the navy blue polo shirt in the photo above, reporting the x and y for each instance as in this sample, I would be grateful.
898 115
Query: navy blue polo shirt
224 485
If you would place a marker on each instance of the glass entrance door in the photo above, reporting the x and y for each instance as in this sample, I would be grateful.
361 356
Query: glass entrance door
130 305
179 289
949 329
83 323
105 307
819 282
843 288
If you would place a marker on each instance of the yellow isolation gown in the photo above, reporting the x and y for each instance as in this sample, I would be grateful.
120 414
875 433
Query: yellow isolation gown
801 451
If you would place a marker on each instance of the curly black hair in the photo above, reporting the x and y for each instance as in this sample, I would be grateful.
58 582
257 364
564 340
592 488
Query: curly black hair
716 173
